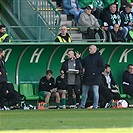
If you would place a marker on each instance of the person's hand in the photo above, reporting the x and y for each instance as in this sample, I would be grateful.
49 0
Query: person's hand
77 72
130 24
97 28
78 55
0 73
62 72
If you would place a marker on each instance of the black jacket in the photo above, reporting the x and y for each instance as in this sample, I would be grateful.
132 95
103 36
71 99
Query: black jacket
77 67
116 37
60 83
46 85
94 66
3 76
127 81
104 83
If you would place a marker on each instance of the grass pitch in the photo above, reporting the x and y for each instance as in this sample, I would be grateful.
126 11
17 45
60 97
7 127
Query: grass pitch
66 121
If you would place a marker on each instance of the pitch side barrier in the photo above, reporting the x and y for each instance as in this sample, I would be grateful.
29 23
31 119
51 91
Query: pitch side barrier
28 62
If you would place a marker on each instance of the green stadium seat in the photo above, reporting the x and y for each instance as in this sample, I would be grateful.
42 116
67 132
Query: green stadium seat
27 91
16 87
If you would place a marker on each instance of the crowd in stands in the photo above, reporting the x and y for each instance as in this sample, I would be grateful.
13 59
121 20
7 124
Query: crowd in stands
92 14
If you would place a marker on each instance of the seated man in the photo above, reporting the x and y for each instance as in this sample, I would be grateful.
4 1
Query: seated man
127 80
46 88
61 88
63 36
72 7
108 87
116 34
112 16
13 97
89 23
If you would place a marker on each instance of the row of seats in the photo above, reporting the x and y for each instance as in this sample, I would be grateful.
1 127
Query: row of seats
30 91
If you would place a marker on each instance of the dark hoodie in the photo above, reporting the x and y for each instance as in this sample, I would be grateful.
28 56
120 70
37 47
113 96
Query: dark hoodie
94 66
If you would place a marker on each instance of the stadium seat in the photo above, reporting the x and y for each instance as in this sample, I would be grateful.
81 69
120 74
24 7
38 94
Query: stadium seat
16 87
27 91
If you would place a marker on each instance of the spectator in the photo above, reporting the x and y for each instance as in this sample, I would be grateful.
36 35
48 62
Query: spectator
3 79
63 36
98 7
84 3
127 16
72 69
107 3
130 35
107 35
116 34
4 37
93 66
113 17
91 23
108 86
47 90
72 7
127 80
61 88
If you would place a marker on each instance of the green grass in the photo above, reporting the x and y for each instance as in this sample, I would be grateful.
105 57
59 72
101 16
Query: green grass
73 120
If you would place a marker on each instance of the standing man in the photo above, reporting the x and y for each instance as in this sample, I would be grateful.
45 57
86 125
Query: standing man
72 69
63 36
4 37
3 78
93 66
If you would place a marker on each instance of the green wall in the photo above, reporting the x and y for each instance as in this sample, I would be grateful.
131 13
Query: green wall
28 62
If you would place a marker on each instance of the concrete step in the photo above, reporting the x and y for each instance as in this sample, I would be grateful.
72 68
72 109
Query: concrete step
63 17
68 23
77 37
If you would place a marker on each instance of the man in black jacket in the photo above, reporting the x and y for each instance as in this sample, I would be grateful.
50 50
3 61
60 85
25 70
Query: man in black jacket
93 66
72 69
128 80
46 88
108 87
3 78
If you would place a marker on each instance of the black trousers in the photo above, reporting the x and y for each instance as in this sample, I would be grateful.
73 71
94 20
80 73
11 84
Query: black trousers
70 89
2 93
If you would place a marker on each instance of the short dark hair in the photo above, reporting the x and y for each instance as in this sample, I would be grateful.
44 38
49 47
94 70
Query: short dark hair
106 66
49 72
2 26
129 65
128 5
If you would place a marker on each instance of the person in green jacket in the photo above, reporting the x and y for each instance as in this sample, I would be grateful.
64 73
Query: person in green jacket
130 35
84 3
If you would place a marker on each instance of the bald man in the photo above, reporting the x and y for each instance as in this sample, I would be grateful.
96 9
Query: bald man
72 78
93 66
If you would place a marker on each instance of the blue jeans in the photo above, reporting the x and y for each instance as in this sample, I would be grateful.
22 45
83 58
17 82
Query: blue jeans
85 89
76 13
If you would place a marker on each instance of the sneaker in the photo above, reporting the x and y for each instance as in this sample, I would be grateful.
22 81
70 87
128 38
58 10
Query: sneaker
64 107
73 22
109 105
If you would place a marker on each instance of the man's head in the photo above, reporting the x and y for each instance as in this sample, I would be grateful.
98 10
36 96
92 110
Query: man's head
105 26
70 55
113 8
92 49
128 8
130 68
63 29
49 74
116 27
2 28
107 68
2 53
88 10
